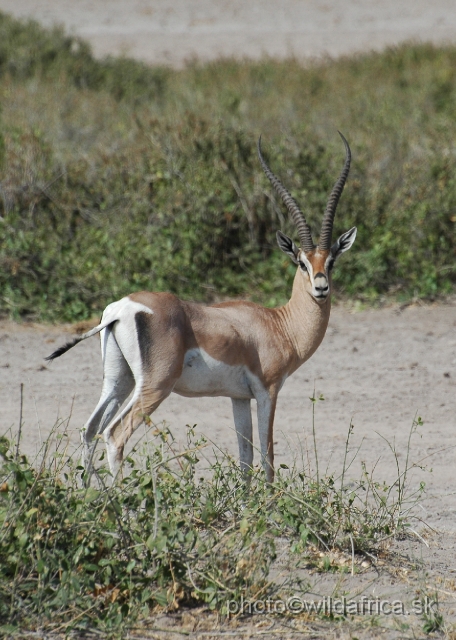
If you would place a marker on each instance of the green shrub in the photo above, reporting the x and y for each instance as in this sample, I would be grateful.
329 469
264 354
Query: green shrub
74 558
119 177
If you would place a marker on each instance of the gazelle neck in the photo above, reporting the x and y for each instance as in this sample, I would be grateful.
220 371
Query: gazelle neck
306 320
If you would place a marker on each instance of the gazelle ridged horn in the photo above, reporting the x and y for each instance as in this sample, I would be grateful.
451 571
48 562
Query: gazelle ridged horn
303 229
330 212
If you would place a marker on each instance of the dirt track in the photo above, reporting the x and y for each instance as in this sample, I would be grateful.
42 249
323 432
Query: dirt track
172 32
376 368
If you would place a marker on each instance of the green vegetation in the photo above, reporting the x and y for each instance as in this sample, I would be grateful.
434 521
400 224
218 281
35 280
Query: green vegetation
118 177
101 558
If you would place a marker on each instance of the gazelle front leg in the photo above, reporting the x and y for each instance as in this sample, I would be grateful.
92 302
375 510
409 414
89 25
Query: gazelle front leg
266 402
243 422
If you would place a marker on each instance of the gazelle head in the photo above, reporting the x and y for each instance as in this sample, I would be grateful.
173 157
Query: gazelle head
315 261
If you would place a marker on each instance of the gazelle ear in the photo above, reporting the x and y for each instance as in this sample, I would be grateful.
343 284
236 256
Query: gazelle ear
343 243
288 246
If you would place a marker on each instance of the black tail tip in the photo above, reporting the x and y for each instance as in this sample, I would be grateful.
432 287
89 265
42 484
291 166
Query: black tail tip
56 354
61 350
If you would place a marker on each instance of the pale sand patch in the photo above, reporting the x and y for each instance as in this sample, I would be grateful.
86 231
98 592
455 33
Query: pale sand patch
376 368
178 30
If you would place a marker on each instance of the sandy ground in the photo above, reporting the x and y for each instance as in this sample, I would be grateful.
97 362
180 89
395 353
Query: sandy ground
173 31
376 368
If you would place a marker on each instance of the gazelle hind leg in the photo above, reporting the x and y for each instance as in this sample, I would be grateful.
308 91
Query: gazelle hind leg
118 383
243 422
143 403
154 381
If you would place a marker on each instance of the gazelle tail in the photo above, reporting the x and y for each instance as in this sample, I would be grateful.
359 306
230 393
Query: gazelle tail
66 347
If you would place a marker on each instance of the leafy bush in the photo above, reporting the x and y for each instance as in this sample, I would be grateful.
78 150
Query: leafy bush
28 51
119 177
102 557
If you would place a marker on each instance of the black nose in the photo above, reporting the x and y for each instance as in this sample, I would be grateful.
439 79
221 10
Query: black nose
321 283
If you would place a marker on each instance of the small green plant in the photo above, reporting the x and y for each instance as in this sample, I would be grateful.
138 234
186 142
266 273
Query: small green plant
433 620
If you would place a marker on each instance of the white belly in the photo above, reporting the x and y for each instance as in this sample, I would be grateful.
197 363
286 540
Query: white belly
204 376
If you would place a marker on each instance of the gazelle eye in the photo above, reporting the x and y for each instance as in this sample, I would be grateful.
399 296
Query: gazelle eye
302 265
330 265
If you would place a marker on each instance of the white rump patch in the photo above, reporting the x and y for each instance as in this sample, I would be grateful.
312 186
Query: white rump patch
116 310
123 313
137 306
